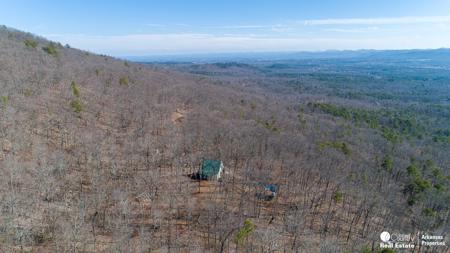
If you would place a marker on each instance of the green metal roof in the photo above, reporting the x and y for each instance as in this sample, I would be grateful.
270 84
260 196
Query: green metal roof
210 168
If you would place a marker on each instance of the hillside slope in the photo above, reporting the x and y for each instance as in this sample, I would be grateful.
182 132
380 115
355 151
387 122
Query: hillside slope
97 154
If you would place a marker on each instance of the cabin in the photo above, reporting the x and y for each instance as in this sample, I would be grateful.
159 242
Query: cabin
209 170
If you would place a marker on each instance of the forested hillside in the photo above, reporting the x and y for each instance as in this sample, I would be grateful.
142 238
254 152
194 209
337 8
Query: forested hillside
97 154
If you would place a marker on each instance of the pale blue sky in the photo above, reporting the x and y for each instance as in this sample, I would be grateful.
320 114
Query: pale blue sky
126 28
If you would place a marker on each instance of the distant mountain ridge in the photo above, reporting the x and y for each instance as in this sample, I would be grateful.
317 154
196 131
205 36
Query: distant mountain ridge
441 54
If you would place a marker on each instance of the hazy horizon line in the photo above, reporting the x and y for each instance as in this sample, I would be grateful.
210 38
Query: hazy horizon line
280 52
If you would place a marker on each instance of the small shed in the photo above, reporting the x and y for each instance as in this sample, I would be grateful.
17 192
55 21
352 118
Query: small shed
271 189
210 170
267 192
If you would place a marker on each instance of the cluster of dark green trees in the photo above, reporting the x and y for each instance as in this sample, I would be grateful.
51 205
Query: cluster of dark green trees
339 145
428 185
51 48
76 102
395 126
